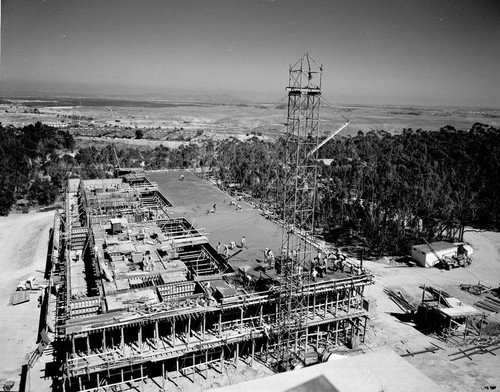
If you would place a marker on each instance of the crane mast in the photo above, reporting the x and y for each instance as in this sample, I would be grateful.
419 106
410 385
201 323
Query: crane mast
298 190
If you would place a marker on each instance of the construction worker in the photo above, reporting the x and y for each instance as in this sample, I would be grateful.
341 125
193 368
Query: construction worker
232 245
314 274
226 250
243 242
265 255
219 247
270 258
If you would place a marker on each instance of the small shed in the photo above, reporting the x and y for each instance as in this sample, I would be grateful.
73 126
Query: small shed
116 226
425 256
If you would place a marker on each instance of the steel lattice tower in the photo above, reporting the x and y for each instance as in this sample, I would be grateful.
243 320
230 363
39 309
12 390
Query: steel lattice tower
298 189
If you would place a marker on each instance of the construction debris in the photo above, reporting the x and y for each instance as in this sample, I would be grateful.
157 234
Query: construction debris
402 300
476 289
490 304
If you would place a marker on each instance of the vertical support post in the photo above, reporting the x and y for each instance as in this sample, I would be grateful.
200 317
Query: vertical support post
173 334
139 338
349 299
253 352
73 349
336 300
317 337
88 344
326 305
364 329
260 314
241 317
423 293
194 366
104 340
177 366
142 380
122 340
188 329
79 382
220 324
157 335
222 360
163 375
204 326
314 304
306 343
236 354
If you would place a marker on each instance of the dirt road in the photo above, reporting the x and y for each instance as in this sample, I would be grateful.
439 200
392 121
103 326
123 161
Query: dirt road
23 240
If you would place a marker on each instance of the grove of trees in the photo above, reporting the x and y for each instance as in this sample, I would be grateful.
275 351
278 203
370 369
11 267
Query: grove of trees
381 191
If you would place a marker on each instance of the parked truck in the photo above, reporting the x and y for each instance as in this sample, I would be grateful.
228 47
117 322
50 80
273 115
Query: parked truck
31 284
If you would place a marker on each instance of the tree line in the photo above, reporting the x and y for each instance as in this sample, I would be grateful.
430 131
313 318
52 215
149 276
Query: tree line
30 164
381 191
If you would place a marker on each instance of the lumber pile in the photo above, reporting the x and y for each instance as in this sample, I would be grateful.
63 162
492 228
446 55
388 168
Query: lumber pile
489 303
402 300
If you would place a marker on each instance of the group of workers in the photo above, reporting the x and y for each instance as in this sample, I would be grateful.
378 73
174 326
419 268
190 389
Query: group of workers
319 267
225 248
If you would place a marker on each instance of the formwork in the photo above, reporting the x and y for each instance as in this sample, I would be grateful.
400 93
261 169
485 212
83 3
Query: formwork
150 297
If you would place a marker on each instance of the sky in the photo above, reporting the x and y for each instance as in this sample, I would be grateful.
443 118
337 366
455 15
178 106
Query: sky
425 52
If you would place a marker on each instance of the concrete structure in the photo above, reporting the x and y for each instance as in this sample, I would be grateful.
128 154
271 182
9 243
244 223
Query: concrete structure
424 256
142 293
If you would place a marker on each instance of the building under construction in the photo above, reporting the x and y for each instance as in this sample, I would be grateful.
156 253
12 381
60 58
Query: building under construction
143 292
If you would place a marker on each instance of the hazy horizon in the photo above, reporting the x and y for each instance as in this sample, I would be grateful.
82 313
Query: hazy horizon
386 52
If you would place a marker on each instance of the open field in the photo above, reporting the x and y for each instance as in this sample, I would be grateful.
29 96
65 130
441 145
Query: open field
164 120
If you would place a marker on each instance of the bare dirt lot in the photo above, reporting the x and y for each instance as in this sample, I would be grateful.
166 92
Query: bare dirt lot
478 373
23 240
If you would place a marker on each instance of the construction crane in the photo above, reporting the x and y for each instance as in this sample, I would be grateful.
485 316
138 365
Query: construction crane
298 189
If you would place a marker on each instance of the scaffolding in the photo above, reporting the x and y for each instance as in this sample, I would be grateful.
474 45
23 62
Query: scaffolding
298 189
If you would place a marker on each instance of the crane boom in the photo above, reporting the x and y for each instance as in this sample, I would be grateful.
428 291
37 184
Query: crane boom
327 139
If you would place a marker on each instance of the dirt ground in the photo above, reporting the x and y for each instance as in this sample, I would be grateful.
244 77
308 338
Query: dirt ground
478 373
230 119
23 240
